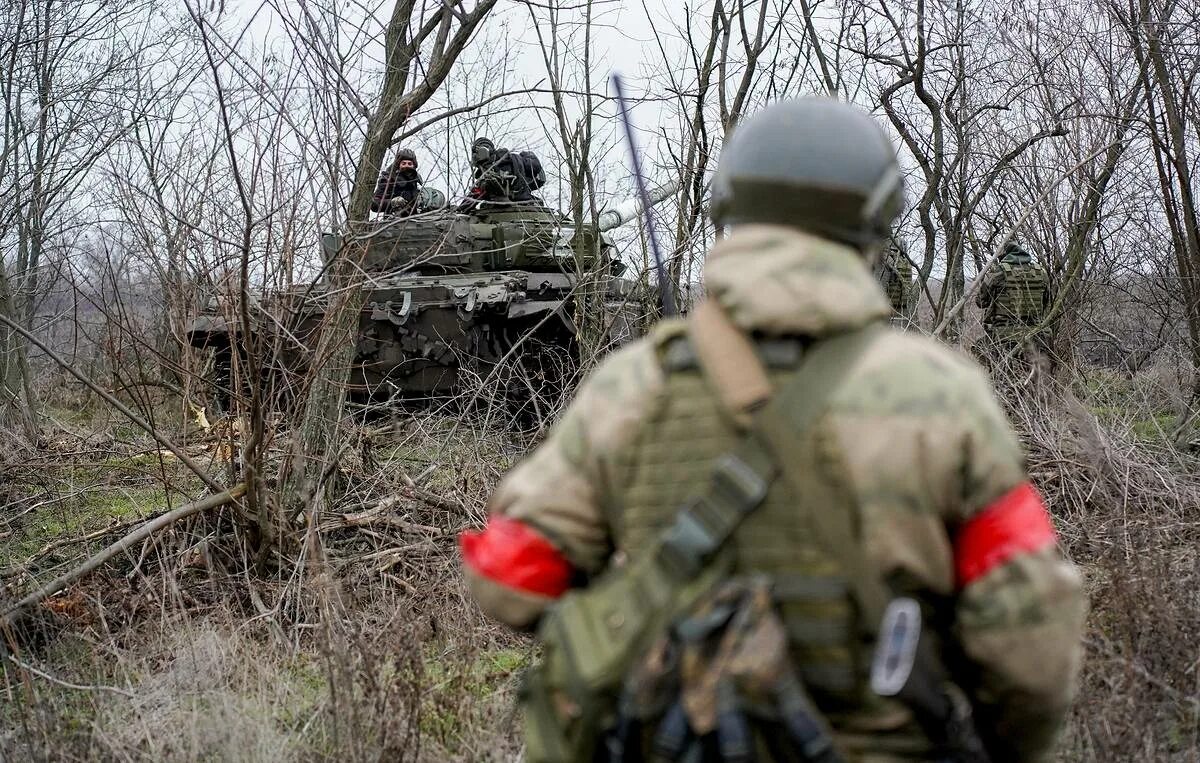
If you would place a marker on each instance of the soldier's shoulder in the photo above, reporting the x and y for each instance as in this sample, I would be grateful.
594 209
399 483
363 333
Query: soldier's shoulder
666 331
906 362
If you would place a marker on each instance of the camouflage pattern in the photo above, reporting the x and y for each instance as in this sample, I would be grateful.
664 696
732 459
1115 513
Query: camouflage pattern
671 459
895 274
727 657
919 446
1014 296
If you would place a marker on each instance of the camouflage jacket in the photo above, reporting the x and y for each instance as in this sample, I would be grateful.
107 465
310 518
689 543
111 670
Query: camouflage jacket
1014 290
919 475
893 271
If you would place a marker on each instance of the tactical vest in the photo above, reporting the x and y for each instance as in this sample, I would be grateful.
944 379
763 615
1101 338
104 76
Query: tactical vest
895 275
1021 293
670 462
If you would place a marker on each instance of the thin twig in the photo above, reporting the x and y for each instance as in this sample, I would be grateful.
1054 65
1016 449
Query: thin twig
67 684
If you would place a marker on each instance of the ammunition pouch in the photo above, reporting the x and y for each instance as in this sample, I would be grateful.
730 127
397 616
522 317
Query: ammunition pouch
592 637
721 681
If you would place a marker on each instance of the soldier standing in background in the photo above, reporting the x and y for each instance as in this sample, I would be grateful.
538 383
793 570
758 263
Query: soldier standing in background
769 478
1014 297
895 275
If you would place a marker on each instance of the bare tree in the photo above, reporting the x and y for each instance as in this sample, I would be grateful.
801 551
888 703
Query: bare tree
1169 68
935 54
731 68
71 74
422 41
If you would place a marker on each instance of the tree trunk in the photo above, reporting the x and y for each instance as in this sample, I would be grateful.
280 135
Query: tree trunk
316 444
16 411
1179 203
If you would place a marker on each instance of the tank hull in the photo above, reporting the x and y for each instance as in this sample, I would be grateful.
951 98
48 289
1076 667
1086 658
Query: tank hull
495 300
426 337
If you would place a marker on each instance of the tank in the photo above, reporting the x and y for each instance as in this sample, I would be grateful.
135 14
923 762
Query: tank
484 296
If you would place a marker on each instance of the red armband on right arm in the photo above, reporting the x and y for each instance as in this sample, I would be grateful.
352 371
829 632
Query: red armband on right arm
1013 524
513 554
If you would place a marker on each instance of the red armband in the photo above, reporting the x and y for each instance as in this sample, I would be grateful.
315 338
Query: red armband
1015 523
515 555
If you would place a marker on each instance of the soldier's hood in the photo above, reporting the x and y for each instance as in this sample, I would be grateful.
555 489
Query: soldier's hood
778 280
1017 258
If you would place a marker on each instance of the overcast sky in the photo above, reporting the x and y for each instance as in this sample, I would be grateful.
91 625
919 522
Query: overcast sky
507 55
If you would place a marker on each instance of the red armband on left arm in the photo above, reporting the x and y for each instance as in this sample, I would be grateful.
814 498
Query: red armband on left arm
1013 524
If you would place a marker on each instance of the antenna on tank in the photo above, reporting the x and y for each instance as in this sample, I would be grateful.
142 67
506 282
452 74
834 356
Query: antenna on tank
664 288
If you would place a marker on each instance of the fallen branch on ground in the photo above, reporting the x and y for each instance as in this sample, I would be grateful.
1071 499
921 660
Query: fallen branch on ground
17 569
141 533
67 684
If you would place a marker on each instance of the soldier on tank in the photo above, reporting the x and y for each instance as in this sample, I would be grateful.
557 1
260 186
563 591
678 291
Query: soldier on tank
1014 296
399 186
894 273
499 175
779 529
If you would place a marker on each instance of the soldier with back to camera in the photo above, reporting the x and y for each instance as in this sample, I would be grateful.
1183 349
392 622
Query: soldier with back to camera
780 530
1014 297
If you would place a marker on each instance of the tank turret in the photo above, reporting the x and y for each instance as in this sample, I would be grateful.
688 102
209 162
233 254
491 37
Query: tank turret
450 293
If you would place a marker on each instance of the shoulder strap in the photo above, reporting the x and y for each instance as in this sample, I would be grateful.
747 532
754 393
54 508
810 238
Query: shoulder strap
784 431
729 362
739 480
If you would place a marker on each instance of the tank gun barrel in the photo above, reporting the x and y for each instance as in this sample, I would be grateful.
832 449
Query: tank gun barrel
631 208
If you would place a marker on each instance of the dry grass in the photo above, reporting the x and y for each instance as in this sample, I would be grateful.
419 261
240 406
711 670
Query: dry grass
364 648
1126 508
362 645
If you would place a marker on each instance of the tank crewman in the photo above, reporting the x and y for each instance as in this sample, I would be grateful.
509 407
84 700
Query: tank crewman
398 187
500 175
1014 295
908 450
894 273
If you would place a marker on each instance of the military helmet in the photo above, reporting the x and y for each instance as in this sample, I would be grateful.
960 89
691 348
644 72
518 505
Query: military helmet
1013 250
482 150
406 153
814 163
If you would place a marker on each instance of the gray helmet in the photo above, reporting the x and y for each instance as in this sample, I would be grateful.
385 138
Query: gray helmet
1013 252
816 164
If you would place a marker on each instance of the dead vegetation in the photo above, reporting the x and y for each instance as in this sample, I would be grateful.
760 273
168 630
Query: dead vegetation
361 644
1125 505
